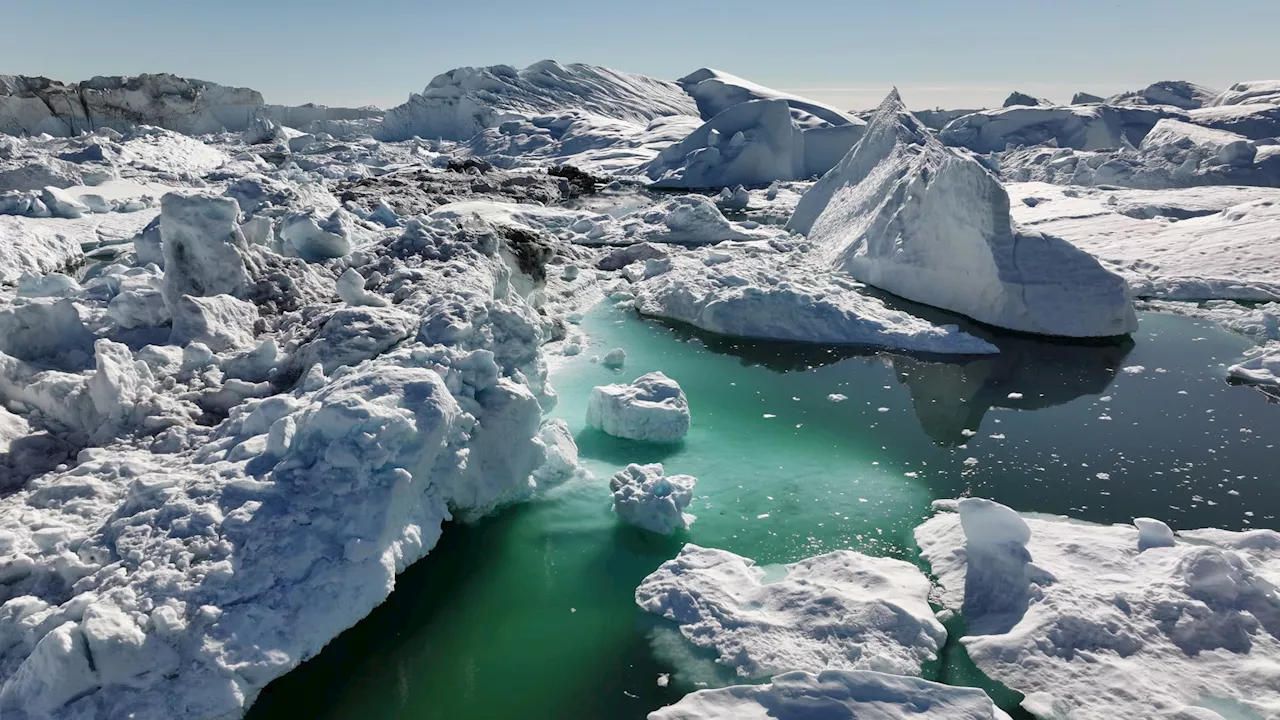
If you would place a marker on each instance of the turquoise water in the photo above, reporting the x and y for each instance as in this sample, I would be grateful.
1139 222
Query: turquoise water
529 613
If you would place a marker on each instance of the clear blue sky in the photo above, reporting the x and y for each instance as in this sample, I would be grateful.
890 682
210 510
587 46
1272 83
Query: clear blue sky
939 52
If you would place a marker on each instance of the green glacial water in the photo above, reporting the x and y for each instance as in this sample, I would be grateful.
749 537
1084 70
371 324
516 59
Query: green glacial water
529 613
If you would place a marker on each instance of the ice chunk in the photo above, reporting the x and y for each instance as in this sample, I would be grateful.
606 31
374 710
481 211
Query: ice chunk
1017 99
1116 621
840 611
316 238
1261 369
770 149
62 204
910 216
1174 93
716 91
645 497
350 335
562 454
1082 127
838 695
614 359
652 408
351 290
1153 533
1247 93
46 329
203 246
220 321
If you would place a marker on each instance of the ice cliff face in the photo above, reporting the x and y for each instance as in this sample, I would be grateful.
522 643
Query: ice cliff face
462 102
34 105
910 216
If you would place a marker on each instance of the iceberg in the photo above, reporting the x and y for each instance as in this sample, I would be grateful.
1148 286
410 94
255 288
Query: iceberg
838 611
1095 622
649 499
907 215
1249 93
716 91
835 694
460 103
652 408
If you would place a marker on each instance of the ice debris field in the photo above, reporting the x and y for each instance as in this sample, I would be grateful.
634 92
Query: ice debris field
256 361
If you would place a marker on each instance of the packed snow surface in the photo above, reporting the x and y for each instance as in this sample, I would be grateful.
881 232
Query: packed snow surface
838 611
462 102
910 216
652 408
644 496
1098 622
835 694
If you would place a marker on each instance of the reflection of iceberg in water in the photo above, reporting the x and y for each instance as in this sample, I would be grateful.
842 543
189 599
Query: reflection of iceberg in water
951 394
951 397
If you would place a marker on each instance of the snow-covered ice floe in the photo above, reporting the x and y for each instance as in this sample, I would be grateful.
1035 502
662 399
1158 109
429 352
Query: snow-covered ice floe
1099 622
644 496
762 292
652 408
835 694
838 611
1261 368
920 220
1179 244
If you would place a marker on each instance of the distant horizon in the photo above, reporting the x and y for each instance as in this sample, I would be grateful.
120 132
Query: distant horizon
939 54
853 98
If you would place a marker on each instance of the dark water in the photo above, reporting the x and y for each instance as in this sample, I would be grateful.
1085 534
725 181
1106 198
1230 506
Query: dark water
529 614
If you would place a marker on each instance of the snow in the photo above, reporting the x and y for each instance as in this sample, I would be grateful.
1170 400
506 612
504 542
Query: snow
1223 248
838 611
907 215
1094 622
835 694
1245 93
460 103
716 91
763 294
649 499
652 408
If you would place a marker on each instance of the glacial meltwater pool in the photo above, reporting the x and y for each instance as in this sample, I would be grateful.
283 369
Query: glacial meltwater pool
529 613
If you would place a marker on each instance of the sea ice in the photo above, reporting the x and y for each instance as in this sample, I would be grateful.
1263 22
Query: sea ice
647 498
910 216
1099 622
652 408
1263 368
837 695
838 611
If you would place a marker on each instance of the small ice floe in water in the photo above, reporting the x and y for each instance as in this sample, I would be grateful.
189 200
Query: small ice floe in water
650 500
971 461
1015 396
769 416
1103 476
653 408
837 397
1134 369
968 433
883 409
614 359
664 679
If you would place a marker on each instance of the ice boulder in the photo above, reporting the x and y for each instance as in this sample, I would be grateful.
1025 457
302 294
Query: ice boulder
462 102
350 335
62 203
221 322
1256 122
645 497
45 329
352 291
838 611
315 237
835 695
653 408
1095 622
1084 98
561 461
614 359
910 216
262 129
204 250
